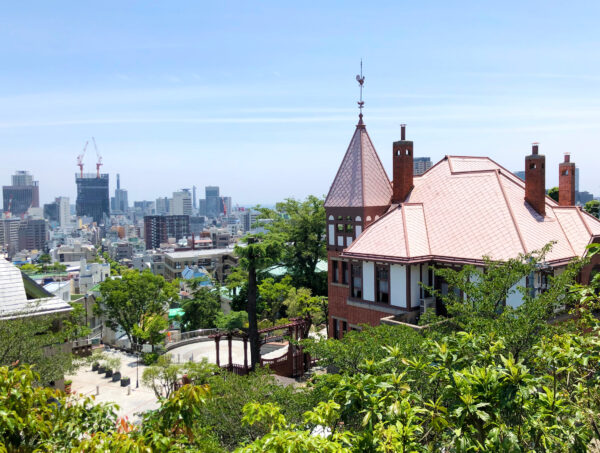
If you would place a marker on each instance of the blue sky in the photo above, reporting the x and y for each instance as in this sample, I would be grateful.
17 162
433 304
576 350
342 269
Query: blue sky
260 97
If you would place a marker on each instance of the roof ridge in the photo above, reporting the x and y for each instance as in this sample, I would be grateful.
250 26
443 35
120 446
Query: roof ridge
584 222
337 173
566 235
510 211
405 231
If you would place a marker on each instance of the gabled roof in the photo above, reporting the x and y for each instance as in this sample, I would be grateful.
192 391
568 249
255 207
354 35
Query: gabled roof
361 179
464 208
14 300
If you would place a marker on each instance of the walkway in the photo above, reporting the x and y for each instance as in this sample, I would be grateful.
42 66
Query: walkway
139 400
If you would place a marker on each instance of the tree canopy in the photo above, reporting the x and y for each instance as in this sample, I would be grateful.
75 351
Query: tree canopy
301 224
125 301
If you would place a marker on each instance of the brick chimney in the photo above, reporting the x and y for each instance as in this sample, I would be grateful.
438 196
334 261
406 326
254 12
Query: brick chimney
535 180
403 167
566 182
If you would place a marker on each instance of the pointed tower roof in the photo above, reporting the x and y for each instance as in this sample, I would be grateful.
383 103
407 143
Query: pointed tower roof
361 179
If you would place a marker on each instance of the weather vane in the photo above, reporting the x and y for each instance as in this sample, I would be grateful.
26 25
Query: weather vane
361 80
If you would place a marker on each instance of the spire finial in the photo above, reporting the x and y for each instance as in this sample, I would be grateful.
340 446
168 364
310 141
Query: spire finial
361 80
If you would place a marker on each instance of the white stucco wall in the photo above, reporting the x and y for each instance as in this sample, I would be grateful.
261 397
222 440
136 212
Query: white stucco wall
368 281
398 285
415 292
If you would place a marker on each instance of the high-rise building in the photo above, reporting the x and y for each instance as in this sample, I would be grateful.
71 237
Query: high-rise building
9 234
162 206
213 201
92 196
202 207
421 165
24 193
119 202
159 228
194 198
33 234
64 211
181 203
51 212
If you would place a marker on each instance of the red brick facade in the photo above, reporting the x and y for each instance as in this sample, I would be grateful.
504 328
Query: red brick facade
566 182
403 168
535 180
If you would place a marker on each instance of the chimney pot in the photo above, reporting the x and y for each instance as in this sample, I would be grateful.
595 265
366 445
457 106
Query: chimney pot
403 132
534 148
567 157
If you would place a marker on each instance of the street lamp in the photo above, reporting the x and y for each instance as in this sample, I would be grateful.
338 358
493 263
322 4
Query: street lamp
137 369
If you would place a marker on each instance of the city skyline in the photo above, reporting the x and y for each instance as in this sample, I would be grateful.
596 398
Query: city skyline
182 95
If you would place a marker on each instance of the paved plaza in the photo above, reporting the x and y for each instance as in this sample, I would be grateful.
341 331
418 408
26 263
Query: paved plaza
135 400
130 401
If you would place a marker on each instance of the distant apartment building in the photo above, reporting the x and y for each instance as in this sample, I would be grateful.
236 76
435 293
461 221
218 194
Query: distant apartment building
91 274
119 203
218 262
158 229
9 234
162 206
33 234
92 196
74 252
22 194
421 165
181 203
143 207
120 250
519 174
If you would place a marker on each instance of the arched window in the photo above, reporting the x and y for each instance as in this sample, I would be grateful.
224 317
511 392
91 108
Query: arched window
357 219
331 218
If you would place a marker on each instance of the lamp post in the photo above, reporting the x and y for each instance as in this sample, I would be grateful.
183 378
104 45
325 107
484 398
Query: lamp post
137 368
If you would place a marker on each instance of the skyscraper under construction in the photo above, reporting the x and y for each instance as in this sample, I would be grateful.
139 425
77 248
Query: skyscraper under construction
92 196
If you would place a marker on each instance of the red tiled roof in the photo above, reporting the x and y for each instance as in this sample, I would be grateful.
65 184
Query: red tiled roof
361 179
465 208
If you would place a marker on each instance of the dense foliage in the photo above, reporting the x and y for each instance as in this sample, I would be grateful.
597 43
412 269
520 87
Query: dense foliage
125 301
302 226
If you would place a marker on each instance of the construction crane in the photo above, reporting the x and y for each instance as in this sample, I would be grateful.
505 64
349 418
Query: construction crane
99 162
80 159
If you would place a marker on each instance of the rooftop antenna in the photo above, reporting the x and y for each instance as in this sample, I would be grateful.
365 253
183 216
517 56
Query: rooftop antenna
361 80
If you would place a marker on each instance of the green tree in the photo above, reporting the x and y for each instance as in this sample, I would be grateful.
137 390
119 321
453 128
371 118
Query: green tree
44 258
34 341
29 268
234 320
302 225
273 294
593 207
34 418
258 253
151 329
300 303
553 193
477 300
201 311
126 300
